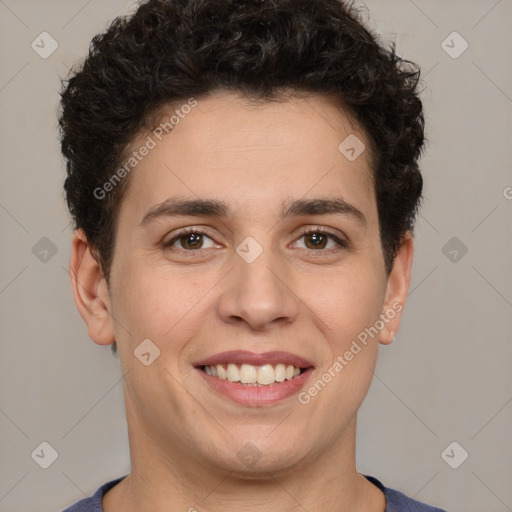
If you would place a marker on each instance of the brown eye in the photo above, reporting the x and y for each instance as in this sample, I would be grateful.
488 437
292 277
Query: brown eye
189 240
317 240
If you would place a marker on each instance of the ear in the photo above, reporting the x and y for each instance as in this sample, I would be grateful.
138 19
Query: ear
90 290
396 290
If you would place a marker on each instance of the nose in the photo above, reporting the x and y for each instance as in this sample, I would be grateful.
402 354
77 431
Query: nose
259 294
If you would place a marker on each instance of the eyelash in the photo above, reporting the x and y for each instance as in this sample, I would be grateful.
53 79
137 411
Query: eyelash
307 231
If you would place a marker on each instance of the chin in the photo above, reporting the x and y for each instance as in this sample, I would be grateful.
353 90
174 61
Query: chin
258 455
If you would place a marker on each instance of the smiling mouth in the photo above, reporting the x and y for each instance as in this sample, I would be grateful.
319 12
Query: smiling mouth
251 375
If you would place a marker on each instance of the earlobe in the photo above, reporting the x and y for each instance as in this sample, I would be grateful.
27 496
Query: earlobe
90 290
397 289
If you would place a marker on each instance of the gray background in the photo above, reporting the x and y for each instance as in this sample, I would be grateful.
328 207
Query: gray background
447 377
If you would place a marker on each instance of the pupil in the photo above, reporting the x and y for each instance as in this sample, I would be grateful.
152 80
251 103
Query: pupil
317 236
193 236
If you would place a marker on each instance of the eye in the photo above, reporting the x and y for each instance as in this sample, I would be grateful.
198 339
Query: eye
190 239
317 239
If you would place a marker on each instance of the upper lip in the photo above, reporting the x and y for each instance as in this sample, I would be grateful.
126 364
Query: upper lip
246 357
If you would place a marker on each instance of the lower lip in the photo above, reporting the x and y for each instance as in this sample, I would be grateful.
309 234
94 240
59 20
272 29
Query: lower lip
257 396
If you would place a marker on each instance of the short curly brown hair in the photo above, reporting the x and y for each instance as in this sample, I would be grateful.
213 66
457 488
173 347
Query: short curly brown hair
171 50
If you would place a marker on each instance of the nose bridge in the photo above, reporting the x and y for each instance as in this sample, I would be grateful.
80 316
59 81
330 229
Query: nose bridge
258 291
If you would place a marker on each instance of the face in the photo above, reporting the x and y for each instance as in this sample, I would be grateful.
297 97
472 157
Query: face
249 286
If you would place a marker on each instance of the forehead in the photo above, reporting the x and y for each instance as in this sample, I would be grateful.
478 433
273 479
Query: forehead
251 155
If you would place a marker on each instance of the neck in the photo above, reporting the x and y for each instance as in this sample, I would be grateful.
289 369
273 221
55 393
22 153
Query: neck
165 482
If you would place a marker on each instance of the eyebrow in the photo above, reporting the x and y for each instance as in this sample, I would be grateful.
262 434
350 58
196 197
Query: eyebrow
175 207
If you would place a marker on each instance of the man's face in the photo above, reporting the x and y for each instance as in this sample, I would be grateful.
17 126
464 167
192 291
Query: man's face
252 282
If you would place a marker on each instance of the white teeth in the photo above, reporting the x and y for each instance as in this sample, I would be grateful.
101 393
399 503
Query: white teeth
221 373
266 374
233 373
253 375
247 374
280 372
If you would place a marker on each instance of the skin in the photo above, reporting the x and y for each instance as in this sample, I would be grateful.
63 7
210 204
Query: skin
184 437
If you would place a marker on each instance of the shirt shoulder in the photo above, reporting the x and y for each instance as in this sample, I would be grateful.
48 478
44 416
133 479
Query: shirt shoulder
94 502
396 501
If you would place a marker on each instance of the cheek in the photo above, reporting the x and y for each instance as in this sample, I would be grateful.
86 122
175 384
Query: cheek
151 302
338 388
347 303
